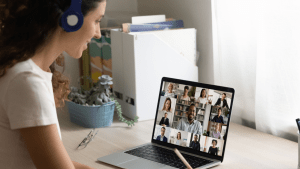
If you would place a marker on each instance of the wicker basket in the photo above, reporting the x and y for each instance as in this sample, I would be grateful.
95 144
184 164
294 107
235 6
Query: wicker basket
91 116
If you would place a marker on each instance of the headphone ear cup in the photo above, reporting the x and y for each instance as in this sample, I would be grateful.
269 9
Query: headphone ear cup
71 21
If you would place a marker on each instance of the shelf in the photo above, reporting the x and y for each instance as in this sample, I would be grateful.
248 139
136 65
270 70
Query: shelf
179 116
183 104
189 105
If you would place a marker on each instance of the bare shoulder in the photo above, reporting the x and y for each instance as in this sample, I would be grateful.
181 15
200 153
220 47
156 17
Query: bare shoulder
45 147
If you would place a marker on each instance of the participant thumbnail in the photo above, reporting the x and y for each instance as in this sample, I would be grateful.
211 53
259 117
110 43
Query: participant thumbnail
185 93
195 142
222 99
169 89
216 130
162 133
187 117
219 115
213 146
203 96
178 137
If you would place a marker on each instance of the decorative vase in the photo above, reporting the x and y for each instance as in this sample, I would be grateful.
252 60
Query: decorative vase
91 116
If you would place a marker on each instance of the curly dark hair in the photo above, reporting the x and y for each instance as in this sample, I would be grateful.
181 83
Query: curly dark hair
27 25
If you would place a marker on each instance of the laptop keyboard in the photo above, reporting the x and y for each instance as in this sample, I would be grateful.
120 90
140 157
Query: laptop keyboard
166 156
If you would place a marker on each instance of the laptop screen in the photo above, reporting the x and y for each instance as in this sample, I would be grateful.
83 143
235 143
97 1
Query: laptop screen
193 116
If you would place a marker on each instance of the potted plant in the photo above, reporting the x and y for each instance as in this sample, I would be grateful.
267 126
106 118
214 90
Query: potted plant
95 107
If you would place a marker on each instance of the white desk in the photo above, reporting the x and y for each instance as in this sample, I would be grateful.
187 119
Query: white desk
246 147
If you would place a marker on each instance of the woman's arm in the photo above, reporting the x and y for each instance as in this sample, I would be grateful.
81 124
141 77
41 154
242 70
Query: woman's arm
81 166
46 148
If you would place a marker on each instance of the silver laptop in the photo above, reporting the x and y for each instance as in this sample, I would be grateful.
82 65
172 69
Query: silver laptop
190 116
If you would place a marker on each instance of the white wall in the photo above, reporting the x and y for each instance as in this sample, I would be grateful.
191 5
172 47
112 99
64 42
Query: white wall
72 70
121 5
195 14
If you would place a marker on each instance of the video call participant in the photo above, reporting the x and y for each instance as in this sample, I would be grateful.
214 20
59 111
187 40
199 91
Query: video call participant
162 137
167 105
189 124
202 99
185 94
164 121
195 144
169 92
217 133
178 139
218 118
222 101
213 150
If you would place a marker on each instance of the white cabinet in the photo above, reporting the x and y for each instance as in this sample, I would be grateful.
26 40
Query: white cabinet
141 59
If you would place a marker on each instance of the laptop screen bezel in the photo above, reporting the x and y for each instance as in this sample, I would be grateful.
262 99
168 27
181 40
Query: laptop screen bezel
196 84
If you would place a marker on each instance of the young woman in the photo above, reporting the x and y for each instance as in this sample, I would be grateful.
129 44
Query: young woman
202 99
185 94
213 149
217 132
31 43
178 139
167 105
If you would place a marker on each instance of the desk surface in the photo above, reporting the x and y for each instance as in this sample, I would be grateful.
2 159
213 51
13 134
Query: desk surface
246 147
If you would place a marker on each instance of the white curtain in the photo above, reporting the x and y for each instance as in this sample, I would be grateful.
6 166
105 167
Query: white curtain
257 51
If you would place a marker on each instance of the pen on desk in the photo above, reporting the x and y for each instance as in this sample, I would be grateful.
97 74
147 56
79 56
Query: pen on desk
182 159
85 139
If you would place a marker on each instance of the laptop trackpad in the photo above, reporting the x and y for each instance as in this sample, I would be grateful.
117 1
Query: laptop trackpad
117 158
124 160
141 163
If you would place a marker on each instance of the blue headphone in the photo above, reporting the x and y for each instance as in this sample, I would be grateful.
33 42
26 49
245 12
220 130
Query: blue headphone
72 18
